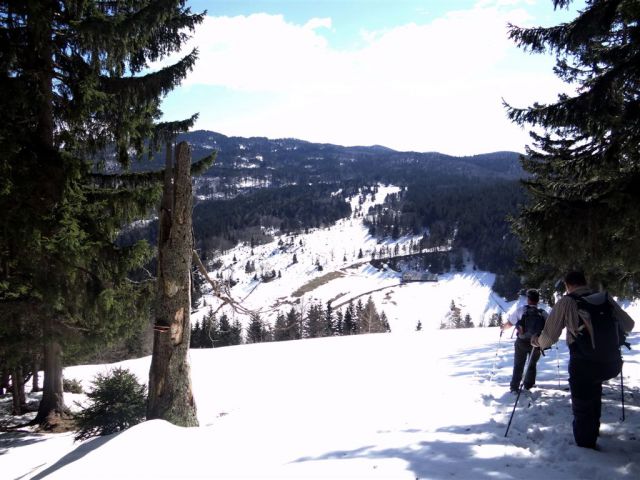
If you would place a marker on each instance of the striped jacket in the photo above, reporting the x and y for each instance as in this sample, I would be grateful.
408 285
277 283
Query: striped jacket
565 315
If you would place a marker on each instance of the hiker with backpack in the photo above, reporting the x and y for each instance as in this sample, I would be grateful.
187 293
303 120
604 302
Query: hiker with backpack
596 328
529 321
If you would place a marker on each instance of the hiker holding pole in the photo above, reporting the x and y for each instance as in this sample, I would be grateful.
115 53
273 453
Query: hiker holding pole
529 321
596 328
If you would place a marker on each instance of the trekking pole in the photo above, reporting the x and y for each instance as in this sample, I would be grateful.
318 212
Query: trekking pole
622 393
558 364
626 344
526 369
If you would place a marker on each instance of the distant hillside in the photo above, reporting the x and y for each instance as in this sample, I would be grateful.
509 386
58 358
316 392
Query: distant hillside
290 160
258 187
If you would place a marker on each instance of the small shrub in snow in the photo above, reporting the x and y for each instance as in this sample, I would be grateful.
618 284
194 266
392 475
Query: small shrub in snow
72 385
117 402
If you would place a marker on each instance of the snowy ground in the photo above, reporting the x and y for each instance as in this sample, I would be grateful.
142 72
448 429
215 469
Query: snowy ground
431 404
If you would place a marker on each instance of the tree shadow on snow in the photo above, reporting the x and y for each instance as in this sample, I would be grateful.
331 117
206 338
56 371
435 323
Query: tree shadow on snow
76 454
18 439
540 441
438 459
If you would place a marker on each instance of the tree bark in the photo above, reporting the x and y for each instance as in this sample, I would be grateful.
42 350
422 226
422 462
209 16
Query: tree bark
170 392
35 366
17 391
52 406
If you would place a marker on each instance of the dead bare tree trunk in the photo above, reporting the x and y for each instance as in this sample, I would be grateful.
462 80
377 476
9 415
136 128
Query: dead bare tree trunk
170 392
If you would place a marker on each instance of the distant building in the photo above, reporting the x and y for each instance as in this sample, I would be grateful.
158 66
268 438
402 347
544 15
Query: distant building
415 276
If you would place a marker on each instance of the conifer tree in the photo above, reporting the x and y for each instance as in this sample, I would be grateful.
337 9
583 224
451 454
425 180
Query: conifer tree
255 330
368 317
349 325
585 161
313 326
280 328
339 324
74 91
293 325
384 320
235 336
329 325
226 334
196 334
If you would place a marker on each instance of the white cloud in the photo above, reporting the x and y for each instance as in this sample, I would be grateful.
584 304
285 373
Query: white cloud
432 86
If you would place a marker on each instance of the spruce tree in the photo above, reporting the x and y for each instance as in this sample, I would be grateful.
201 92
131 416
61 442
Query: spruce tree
349 324
235 337
329 324
280 328
255 330
384 321
293 325
339 324
75 91
226 333
584 160
196 333
312 325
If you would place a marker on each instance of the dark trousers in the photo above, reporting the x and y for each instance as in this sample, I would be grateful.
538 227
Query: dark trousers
585 381
521 349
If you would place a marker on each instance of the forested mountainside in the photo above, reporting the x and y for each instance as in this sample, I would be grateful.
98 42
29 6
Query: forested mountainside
258 185
267 160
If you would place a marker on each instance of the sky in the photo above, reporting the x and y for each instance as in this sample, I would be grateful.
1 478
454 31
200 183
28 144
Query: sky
421 75
429 404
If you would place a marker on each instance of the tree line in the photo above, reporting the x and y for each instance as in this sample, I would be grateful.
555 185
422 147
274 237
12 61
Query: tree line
313 321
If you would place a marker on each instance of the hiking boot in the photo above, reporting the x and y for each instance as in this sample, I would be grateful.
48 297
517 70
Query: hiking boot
514 391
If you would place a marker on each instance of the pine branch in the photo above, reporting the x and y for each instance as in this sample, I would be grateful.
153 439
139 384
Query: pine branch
131 90
202 165
150 33
166 131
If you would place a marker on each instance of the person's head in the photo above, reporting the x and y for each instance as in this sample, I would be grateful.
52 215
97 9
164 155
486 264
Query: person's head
574 279
533 296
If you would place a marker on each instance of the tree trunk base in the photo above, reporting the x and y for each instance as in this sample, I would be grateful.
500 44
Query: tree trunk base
56 422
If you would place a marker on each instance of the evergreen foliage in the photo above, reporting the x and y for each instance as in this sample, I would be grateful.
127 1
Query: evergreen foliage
76 92
256 331
71 385
313 325
584 160
117 402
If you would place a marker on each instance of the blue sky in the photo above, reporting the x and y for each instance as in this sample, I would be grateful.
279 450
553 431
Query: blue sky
408 74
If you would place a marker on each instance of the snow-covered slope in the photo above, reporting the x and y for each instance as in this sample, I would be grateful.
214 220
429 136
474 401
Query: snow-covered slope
430 404
345 276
